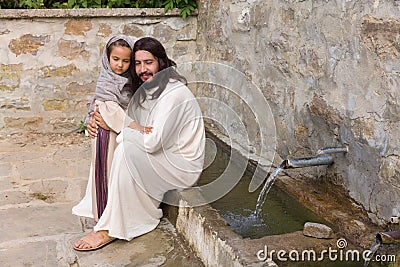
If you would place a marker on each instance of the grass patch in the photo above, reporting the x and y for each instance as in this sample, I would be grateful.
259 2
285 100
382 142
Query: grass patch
40 196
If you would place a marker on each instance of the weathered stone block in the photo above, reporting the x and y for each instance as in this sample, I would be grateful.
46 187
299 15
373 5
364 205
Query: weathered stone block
15 227
319 107
164 32
10 70
77 27
133 30
186 34
52 190
241 18
5 170
104 29
72 49
392 110
39 169
301 133
13 197
4 31
183 28
260 14
28 43
56 104
80 106
317 230
52 71
28 123
7 87
10 76
69 124
309 63
363 128
381 35
16 104
180 48
75 89
20 257
390 171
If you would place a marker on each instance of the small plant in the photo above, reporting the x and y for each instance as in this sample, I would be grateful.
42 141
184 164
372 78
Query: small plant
81 127
40 196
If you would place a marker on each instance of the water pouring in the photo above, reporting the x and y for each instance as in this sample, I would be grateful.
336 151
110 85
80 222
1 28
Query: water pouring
322 158
391 237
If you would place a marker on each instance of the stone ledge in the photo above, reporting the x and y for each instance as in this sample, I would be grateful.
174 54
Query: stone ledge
208 234
87 13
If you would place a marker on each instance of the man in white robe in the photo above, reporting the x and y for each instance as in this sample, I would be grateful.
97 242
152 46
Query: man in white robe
146 163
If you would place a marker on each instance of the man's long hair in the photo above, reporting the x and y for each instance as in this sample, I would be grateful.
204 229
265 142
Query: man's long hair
166 70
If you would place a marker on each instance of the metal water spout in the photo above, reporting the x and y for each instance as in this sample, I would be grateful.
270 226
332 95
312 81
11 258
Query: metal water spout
333 150
321 159
307 162
392 237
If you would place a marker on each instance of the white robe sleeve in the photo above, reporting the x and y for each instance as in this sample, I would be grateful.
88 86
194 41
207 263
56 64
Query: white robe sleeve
112 114
169 116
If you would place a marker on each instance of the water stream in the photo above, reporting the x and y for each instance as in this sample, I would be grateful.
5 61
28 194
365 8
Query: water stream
264 191
238 206
373 249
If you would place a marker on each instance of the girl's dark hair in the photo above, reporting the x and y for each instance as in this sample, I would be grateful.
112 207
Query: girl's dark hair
120 43
132 87
166 70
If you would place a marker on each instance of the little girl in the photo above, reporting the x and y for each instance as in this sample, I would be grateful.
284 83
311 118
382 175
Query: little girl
114 90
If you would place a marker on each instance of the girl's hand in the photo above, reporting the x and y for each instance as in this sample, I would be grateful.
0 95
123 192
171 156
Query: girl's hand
143 129
100 121
91 126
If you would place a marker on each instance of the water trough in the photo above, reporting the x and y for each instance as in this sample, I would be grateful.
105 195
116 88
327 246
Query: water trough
217 243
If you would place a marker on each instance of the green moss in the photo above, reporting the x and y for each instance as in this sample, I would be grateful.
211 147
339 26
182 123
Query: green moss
40 196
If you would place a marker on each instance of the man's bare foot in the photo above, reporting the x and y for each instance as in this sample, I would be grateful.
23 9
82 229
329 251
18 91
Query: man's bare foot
93 241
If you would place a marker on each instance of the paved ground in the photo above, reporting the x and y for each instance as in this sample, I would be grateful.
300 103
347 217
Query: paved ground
41 178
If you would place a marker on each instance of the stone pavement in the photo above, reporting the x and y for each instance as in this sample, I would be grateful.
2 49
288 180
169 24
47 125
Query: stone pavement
41 178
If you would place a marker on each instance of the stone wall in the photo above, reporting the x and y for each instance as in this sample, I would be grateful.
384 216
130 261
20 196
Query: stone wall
330 73
327 70
50 59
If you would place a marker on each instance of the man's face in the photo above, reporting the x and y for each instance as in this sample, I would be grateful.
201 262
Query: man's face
146 65
120 59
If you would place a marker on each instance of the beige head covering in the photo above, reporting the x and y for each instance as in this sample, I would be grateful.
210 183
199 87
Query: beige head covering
111 86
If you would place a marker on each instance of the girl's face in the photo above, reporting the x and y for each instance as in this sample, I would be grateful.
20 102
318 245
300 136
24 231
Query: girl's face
120 59
146 65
